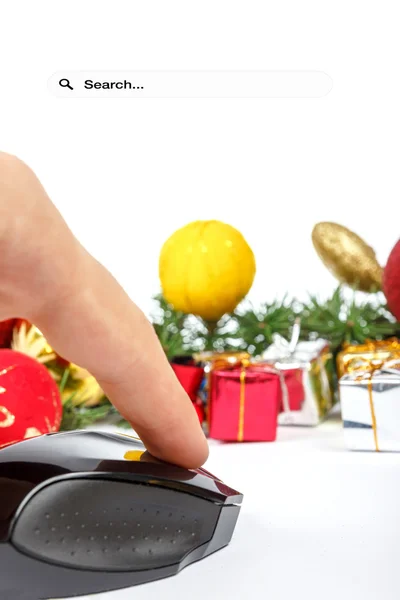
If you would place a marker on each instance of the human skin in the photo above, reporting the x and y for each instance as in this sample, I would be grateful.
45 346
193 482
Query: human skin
48 278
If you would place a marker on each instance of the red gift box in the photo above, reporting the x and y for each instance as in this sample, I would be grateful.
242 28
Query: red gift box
295 388
200 411
244 403
190 377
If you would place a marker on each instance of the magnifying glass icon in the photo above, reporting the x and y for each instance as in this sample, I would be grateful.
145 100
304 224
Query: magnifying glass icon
65 83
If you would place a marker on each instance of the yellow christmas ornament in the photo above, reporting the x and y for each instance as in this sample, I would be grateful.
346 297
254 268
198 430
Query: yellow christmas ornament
347 256
206 268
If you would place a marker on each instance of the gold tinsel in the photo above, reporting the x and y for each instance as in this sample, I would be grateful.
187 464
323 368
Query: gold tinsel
32 343
81 387
347 256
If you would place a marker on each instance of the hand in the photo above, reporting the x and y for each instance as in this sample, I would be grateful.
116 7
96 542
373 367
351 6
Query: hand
48 278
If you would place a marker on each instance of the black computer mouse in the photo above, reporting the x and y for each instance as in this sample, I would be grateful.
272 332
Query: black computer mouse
85 512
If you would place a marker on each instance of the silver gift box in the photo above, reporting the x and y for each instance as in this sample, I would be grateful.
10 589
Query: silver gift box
370 406
316 369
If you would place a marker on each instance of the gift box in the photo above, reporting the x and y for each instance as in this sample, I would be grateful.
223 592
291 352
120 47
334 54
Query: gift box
190 375
382 350
309 371
370 403
244 401
209 361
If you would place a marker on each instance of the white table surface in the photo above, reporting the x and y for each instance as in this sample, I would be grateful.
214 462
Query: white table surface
318 522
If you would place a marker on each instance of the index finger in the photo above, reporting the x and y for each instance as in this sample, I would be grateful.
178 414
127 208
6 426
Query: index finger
52 281
97 326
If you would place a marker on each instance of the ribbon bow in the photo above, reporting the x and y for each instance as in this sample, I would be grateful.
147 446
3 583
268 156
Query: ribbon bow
382 349
284 351
373 346
284 348
365 369
369 367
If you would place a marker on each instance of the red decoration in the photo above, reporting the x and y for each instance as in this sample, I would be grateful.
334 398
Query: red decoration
295 388
244 404
391 281
200 411
6 331
30 403
189 375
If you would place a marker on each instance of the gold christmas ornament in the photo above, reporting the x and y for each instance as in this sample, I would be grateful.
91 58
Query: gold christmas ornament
347 257
206 268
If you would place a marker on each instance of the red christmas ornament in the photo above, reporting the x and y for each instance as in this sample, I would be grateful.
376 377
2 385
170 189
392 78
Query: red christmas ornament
391 281
6 331
30 403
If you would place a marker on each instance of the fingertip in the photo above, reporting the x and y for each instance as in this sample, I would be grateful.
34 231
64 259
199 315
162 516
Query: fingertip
189 455
199 456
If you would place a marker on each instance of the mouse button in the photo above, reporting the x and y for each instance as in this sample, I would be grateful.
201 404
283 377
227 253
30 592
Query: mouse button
150 468
112 525
68 448
170 476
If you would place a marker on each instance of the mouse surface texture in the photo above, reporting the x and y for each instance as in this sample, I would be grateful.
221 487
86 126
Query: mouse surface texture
85 512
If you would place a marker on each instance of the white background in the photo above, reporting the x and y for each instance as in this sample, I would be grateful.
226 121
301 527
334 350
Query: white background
125 173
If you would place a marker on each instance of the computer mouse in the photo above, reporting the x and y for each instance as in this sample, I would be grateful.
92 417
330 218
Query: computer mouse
85 512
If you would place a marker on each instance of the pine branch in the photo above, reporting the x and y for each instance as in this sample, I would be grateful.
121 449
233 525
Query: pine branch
169 325
338 320
255 328
182 334
80 417
123 424
252 329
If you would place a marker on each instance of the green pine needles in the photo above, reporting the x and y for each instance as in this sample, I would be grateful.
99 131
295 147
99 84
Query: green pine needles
337 319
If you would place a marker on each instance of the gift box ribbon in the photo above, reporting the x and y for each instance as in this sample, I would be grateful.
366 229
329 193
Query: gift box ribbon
351 352
245 365
365 369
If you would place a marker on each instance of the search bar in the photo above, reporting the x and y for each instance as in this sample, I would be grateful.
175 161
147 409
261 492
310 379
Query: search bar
190 84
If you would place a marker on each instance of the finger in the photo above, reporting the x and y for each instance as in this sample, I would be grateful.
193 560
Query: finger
50 279
99 328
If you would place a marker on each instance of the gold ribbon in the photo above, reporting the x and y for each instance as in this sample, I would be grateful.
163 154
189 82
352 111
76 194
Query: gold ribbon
372 345
242 404
364 368
382 349
232 362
